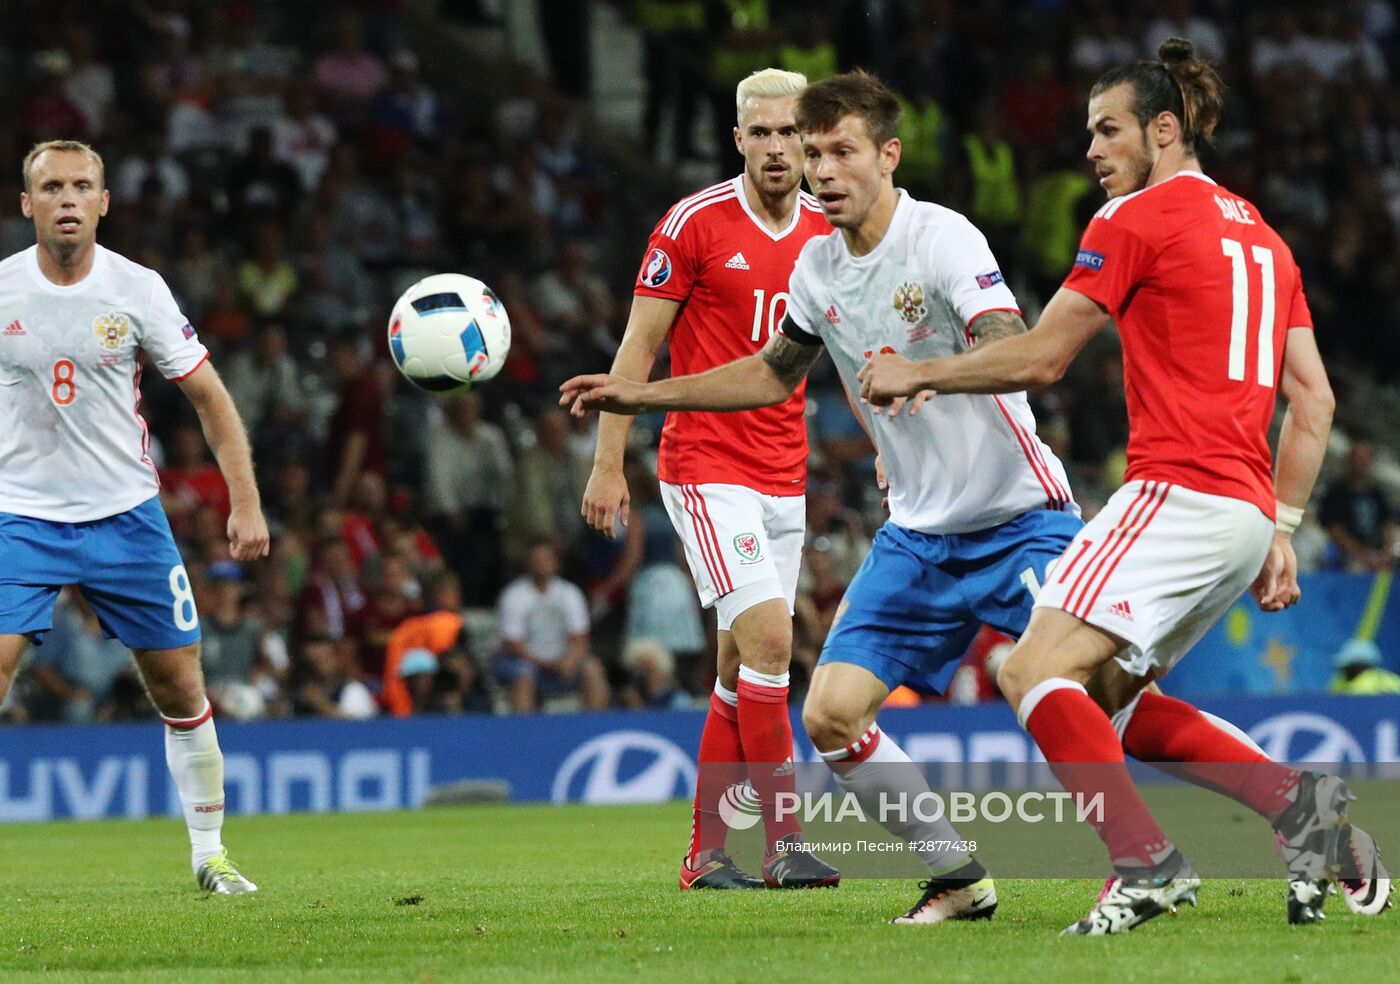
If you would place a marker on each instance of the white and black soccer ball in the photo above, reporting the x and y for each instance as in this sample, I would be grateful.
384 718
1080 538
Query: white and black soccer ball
448 333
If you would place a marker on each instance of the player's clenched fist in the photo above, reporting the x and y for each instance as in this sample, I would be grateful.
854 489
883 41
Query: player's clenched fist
248 538
887 377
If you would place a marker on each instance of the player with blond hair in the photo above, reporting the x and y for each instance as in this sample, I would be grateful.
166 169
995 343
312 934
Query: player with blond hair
713 283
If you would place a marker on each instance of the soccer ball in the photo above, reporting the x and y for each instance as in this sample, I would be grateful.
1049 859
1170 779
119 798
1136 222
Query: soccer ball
448 333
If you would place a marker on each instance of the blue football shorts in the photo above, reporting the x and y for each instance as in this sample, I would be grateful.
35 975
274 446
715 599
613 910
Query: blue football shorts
127 567
919 598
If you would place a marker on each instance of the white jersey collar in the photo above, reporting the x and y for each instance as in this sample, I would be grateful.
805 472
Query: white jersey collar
99 263
902 206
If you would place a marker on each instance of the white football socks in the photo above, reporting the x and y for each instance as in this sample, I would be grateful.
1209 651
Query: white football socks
883 774
197 766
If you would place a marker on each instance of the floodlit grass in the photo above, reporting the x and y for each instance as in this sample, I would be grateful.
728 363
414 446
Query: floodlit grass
516 893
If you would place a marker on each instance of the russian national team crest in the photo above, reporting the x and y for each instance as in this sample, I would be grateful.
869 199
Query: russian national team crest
749 549
909 301
656 269
111 329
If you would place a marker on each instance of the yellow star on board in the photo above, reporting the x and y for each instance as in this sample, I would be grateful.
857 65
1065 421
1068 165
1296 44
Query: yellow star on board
1279 658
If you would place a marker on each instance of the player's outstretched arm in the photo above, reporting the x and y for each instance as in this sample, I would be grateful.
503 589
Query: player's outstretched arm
759 380
606 498
1005 361
247 529
1302 445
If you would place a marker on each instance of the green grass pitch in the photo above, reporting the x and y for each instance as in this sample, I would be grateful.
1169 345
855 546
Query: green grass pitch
523 893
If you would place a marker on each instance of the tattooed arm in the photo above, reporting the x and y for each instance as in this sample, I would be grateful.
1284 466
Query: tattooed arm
760 380
995 325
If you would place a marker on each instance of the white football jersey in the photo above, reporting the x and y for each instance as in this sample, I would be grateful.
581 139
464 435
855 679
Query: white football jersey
72 447
965 462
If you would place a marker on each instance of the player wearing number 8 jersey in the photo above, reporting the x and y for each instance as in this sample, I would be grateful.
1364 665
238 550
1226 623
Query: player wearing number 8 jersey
1210 308
713 283
78 491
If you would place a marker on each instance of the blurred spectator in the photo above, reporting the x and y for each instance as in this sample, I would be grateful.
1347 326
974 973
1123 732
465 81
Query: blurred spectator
47 113
91 84
191 480
247 70
1359 671
266 280
561 158
575 303
394 596
231 649
1285 47
347 76
289 501
75 668
260 186
470 478
1100 41
302 136
265 375
673 53
332 599
1035 102
360 213
457 687
661 599
1358 516
224 318
175 77
333 286
196 275
405 112
491 219
549 483
369 501
820 591
154 161
416 648
651 681
1098 421
355 433
323 686
1178 20
416 231
545 638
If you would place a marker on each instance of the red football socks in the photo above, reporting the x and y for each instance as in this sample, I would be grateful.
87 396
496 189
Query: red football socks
1164 730
719 748
1083 749
766 732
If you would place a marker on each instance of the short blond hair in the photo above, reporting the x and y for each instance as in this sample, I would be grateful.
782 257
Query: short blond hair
768 83
66 146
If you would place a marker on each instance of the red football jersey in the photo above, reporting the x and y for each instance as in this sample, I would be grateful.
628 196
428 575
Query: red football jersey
1204 293
730 273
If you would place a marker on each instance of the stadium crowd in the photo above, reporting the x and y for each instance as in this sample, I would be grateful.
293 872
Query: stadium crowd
291 168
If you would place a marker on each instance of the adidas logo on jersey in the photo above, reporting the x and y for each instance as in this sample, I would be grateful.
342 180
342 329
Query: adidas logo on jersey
14 328
737 262
832 317
1121 609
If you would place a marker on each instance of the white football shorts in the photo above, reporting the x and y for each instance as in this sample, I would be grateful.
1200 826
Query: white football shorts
743 547
1158 567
